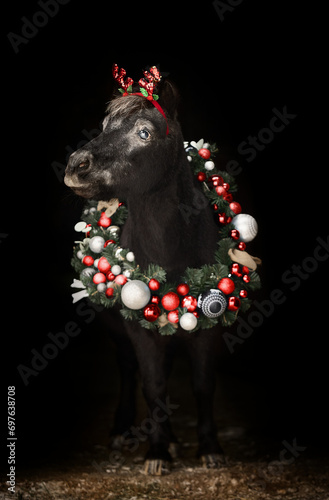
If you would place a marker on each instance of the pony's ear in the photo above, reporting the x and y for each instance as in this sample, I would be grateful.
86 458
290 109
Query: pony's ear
169 98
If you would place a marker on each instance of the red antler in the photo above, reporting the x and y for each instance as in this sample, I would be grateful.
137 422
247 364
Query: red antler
153 78
119 74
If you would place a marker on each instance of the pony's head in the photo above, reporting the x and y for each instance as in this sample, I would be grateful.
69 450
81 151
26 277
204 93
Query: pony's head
136 151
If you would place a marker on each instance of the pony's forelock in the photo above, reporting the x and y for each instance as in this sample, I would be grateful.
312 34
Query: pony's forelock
124 106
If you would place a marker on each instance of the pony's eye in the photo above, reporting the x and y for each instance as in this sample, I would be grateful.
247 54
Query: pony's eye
144 134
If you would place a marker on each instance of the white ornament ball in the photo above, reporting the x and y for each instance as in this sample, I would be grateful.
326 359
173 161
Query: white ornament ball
96 263
101 287
209 165
96 244
135 294
80 254
116 269
188 321
130 257
127 273
246 225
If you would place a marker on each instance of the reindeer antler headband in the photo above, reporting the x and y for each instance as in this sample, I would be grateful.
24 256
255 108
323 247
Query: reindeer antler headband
146 86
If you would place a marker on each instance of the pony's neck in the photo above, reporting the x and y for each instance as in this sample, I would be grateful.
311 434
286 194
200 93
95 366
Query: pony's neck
156 230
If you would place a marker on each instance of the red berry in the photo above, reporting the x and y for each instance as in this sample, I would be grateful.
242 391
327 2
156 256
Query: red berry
204 153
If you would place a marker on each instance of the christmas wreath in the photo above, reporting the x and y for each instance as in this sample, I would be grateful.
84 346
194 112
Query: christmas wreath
110 275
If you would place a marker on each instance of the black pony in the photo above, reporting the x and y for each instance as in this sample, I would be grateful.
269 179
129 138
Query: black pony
136 160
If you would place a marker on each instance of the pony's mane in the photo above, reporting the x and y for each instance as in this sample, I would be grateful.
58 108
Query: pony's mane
126 106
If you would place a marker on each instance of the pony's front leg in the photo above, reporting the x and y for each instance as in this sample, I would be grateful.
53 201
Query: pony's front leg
202 348
152 355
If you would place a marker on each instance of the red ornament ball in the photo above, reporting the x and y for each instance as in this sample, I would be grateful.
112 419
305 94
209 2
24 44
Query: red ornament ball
243 294
183 289
170 301
235 207
151 312
226 285
110 276
242 245
245 269
103 265
173 316
228 197
88 260
233 303
222 218
109 292
246 278
216 180
108 242
220 190
201 176
204 153
235 234
104 221
121 279
99 278
155 299
154 285
235 269
190 303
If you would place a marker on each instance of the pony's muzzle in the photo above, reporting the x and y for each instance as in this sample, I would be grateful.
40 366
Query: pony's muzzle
79 163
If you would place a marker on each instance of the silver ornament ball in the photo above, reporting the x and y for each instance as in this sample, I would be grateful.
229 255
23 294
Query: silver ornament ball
135 294
246 225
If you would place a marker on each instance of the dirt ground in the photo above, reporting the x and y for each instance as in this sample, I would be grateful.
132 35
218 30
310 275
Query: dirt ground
260 463
95 475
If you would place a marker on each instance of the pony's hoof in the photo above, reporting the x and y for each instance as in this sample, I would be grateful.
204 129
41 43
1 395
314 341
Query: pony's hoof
212 460
156 467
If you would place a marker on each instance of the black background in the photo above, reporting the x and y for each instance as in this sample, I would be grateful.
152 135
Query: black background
231 75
